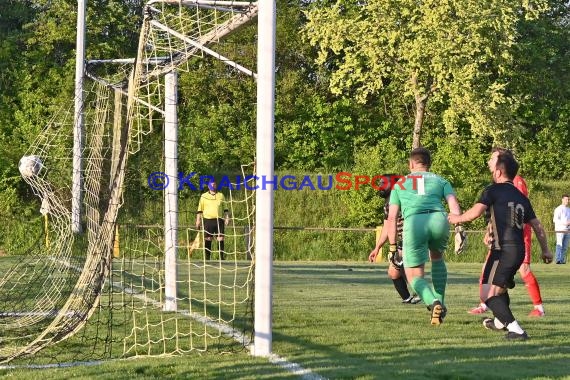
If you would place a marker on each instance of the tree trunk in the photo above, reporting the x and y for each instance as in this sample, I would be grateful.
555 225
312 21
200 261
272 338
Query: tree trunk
421 102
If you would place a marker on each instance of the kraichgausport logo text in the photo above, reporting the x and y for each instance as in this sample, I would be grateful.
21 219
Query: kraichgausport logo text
339 181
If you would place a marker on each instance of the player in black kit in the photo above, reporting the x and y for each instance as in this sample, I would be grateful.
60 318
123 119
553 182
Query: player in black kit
507 210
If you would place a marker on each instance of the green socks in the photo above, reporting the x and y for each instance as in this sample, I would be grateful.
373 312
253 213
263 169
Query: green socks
423 289
439 279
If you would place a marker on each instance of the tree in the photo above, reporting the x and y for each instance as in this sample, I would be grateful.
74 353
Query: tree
540 77
313 129
451 51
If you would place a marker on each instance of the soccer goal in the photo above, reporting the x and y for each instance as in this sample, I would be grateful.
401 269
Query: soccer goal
136 281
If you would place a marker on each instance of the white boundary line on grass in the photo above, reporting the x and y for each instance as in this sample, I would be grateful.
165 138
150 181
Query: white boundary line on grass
293 368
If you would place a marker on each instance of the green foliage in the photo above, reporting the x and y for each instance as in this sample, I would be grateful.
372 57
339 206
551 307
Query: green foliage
457 52
326 131
217 118
547 154
539 78
464 164
20 233
364 204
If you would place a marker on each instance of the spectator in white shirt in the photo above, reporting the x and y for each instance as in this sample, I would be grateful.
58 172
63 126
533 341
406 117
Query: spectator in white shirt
562 223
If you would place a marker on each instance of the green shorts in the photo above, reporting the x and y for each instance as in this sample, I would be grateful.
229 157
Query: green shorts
424 232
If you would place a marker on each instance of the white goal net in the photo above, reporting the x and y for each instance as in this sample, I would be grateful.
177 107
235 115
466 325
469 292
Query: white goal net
101 294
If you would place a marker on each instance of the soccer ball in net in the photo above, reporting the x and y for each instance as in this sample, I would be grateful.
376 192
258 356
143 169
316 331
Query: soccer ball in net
30 166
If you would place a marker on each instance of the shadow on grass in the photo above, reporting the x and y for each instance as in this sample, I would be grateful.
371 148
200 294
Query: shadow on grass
356 327
498 360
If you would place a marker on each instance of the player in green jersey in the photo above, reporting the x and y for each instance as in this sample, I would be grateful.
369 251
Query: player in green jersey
426 229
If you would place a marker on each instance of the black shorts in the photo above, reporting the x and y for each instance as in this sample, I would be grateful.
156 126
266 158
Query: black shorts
502 265
213 227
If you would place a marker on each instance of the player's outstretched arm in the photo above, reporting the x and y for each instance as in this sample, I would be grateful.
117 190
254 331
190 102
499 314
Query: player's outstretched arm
453 203
473 213
542 240
381 241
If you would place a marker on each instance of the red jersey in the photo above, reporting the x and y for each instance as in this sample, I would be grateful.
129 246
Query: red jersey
520 184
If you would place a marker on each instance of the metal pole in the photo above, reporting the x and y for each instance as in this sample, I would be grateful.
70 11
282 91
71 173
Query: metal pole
171 191
78 132
265 158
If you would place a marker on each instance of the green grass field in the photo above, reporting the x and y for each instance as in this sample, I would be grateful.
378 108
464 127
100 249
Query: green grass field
344 321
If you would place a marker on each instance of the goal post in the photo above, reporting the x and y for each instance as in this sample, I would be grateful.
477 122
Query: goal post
78 122
171 191
265 168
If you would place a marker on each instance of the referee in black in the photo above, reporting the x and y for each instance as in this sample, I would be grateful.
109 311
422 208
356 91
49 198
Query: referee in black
210 210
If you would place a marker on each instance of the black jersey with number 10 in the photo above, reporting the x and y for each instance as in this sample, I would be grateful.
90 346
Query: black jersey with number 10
507 211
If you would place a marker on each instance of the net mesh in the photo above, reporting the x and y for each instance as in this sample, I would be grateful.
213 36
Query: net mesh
101 294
